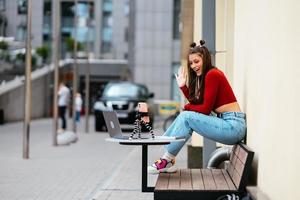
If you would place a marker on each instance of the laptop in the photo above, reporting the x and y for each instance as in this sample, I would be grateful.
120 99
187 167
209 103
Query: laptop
113 125
114 128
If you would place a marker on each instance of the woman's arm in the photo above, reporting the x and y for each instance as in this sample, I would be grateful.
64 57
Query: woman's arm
181 82
210 94
185 91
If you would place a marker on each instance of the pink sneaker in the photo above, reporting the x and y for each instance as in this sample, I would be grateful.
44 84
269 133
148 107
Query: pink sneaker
162 165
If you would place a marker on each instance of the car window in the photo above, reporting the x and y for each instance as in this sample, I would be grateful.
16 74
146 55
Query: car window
143 92
124 90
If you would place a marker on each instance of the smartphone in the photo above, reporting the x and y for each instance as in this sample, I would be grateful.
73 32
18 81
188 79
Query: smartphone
143 107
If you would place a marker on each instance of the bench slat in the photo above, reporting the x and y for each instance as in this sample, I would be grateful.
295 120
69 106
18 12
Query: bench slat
228 180
242 155
239 166
185 179
197 180
174 181
237 151
209 183
236 178
232 165
162 182
219 179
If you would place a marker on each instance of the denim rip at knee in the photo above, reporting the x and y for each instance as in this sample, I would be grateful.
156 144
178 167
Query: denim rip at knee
229 128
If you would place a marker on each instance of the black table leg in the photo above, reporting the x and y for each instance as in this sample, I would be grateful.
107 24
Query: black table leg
145 187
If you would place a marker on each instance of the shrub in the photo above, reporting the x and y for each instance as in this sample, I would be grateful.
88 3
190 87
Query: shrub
3 45
43 52
70 44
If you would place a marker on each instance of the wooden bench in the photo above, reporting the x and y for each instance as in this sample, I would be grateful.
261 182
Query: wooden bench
207 183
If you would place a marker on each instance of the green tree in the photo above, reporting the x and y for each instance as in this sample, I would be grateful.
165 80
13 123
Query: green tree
3 45
4 54
70 45
43 52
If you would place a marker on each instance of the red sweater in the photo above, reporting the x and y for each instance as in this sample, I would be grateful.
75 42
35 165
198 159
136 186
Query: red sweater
217 92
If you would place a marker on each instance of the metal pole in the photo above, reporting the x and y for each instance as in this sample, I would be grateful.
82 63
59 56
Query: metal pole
98 19
75 66
55 61
27 103
209 35
87 77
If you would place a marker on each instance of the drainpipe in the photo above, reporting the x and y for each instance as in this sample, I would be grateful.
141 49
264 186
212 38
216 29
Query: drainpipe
218 156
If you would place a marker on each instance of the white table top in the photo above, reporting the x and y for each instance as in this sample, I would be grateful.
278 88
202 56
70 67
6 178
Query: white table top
157 139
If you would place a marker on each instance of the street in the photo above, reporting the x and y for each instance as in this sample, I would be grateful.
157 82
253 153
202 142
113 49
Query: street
89 169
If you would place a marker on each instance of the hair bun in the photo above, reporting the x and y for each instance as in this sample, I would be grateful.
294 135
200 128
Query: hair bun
202 42
193 45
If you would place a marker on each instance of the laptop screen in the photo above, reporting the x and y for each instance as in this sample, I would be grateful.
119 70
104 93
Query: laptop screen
112 123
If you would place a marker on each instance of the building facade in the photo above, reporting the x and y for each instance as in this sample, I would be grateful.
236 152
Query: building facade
15 13
154 45
146 33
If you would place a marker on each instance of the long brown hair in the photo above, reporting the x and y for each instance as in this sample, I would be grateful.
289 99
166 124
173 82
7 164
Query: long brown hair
196 84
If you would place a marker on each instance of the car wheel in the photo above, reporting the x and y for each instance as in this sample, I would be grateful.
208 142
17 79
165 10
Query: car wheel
104 128
101 127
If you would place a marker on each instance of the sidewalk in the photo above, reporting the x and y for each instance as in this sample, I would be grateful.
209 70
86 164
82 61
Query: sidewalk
89 169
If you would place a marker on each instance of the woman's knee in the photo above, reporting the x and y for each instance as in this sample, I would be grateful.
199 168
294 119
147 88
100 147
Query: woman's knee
184 115
184 118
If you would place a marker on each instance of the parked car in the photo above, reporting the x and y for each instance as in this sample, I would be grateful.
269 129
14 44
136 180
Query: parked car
122 97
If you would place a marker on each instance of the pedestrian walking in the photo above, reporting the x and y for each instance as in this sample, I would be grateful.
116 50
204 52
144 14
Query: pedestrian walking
63 102
78 107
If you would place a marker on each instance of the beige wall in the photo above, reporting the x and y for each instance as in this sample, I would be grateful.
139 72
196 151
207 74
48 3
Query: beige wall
197 140
266 81
258 44
224 36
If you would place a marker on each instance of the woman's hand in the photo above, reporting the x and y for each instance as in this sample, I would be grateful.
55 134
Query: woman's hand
181 77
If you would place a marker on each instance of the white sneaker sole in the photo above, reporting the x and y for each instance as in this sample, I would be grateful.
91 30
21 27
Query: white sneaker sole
152 170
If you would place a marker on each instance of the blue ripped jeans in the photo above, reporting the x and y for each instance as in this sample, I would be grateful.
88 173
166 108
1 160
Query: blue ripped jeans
229 128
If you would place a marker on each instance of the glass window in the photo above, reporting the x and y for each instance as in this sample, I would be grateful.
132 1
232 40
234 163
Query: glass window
107 6
47 8
126 8
67 9
67 22
175 92
21 33
126 34
105 47
2 5
107 23
91 10
107 20
82 10
176 19
22 6
124 90
47 21
107 35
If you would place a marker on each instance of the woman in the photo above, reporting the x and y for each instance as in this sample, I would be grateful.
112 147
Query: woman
207 89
